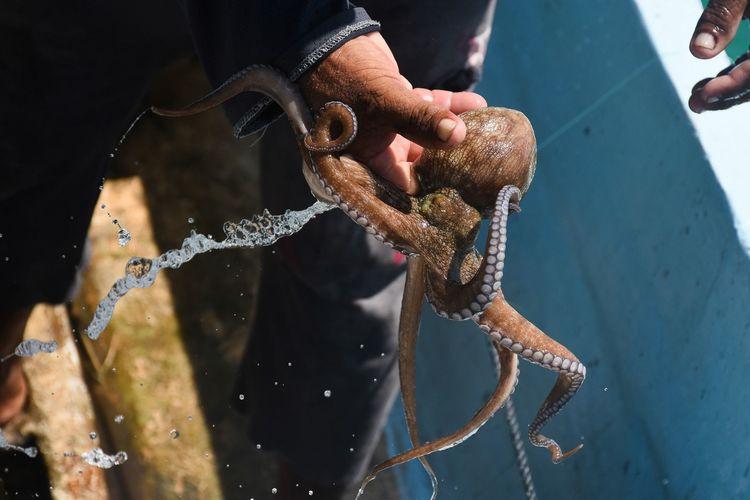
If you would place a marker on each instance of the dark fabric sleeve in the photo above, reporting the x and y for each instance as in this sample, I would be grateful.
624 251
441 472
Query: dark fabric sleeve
291 35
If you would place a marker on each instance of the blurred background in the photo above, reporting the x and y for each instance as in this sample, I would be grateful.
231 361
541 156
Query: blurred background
631 250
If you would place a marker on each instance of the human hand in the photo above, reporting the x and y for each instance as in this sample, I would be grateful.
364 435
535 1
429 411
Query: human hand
714 31
398 119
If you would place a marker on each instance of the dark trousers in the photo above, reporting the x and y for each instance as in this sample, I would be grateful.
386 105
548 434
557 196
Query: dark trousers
71 76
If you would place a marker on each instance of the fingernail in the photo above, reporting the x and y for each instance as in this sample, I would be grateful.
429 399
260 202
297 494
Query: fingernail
428 97
445 128
705 40
712 99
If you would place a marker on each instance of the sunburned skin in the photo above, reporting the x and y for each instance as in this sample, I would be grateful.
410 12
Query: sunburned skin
485 176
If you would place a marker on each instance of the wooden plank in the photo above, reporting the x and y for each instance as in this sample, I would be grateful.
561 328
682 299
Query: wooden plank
61 413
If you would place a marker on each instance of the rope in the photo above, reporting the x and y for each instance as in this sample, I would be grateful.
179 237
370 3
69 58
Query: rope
522 460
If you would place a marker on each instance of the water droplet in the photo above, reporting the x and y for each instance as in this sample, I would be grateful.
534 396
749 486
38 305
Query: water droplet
606 389
98 458
123 237
190 220
327 393
174 433
361 346
119 419
257 446
289 364
310 493
274 490
242 397
92 435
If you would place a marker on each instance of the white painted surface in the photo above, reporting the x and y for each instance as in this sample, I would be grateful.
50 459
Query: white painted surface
724 135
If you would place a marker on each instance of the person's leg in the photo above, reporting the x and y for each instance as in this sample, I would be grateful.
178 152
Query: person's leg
71 77
330 296
325 322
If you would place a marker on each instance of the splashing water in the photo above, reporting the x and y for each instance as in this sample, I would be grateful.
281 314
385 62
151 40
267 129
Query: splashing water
31 451
123 235
32 347
260 231
128 130
98 458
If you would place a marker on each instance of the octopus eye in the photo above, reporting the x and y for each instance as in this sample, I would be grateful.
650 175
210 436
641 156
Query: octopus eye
433 201
440 199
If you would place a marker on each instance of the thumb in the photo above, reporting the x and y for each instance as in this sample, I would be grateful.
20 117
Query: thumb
424 122
716 27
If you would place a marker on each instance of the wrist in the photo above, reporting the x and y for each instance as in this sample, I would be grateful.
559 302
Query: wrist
303 56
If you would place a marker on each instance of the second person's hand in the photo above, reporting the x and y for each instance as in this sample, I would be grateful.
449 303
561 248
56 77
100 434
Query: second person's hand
715 30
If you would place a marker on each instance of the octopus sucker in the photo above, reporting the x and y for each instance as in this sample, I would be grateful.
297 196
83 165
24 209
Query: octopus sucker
484 177
511 329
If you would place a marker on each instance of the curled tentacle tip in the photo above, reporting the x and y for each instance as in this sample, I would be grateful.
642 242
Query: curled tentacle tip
362 486
558 457
514 207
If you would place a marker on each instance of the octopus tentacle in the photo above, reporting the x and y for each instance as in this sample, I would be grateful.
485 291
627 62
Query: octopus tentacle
356 191
332 113
461 302
258 78
411 309
505 386
516 333
275 85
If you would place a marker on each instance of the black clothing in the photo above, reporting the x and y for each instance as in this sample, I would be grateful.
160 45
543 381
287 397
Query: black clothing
71 77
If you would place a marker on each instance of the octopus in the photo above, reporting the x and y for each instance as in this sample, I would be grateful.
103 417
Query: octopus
485 176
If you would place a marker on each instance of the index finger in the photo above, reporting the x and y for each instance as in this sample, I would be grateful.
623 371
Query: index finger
457 102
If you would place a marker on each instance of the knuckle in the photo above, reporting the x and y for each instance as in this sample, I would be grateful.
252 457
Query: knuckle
419 118
723 14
